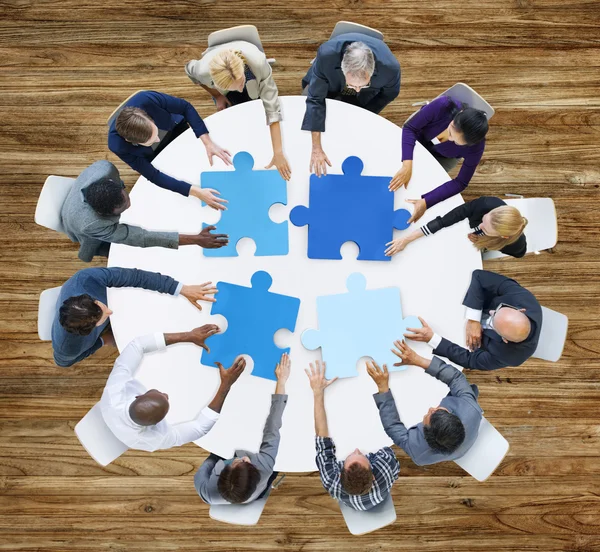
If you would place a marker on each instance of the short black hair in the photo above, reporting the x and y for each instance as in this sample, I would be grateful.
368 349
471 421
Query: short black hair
445 432
79 314
105 195
237 483
472 124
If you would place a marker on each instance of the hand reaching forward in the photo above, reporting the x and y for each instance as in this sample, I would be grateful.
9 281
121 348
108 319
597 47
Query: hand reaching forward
210 197
316 375
211 241
198 336
199 293
420 208
212 149
230 375
381 377
420 334
282 373
281 164
473 336
407 356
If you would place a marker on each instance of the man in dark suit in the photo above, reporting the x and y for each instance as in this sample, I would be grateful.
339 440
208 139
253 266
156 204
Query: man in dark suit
354 68
146 124
504 321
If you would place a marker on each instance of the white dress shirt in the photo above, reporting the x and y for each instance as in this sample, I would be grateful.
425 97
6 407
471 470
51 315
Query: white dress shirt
121 390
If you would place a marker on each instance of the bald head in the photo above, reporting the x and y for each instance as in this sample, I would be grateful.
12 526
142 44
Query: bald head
150 408
512 325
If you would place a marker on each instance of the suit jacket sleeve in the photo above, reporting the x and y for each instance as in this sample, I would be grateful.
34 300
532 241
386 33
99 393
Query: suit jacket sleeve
133 277
270 441
476 360
486 285
114 232
65 362
390 420
172 104
314 118
202 477
452 217
453 378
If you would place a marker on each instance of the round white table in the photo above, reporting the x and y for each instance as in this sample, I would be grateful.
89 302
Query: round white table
433 275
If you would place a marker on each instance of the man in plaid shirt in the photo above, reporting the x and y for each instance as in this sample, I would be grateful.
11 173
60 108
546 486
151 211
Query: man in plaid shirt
360 481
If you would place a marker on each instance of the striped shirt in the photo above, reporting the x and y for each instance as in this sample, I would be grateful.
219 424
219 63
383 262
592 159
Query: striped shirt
385 468
428 232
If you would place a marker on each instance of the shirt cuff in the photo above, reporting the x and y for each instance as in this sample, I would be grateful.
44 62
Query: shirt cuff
210 414
178 289
473 314
159 340
435 341
274 117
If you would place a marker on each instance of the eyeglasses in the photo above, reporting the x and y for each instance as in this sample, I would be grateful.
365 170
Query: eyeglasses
500 306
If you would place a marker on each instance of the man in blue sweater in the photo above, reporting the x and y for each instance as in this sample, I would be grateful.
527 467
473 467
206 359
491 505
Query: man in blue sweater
81 325
146 124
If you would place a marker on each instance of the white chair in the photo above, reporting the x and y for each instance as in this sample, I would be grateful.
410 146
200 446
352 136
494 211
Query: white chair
465 94
238 514
247 33
552 336
52 197
97 439
118 108
361 523
487 452
46 312
542 226
343 27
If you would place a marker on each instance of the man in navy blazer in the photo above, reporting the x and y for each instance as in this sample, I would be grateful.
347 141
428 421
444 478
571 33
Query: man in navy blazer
354 68
447 431
146 124
504 321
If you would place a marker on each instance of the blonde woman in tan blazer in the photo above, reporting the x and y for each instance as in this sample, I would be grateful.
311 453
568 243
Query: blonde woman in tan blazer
238 72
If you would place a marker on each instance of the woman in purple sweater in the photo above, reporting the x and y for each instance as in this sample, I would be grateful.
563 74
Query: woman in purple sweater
448 130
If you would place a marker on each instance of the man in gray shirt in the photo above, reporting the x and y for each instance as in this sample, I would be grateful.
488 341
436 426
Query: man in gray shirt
448 431
246 476
93 208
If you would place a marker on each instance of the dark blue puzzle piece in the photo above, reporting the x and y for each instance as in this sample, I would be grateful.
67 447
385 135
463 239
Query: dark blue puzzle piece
253 316
350 207
250 195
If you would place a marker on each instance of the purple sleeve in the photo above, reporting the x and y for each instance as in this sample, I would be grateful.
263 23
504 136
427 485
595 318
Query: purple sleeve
458 184
433 111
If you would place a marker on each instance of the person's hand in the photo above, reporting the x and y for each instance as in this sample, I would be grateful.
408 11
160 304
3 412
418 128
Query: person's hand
282 165
316 375
395 246
222 102
408 356
199 293
380 377
420 334
420 208
199 335
473 334
211 241
318 162
210 197
212 149
230 375
108 339
282 373
402 177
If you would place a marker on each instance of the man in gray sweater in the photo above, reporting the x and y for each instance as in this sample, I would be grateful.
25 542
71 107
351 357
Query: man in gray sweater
447 431
247 476
93 208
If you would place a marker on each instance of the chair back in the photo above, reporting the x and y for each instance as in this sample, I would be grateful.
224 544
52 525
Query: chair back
247 33
361 523
51 200
465 94
238 514
487 452
542 225
47 312
114 114
553 335
343 27
97 439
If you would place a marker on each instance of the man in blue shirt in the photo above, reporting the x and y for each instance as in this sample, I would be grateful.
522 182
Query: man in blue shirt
82 314
146 124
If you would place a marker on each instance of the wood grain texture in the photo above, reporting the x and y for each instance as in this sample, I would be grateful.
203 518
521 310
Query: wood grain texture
65 64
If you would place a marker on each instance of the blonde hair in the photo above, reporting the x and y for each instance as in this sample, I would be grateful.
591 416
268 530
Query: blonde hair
507 221
226 67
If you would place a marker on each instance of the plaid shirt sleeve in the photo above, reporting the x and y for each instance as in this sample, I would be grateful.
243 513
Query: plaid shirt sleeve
328 466
385 468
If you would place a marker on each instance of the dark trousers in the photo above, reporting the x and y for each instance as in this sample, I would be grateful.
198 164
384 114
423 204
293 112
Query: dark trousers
176 131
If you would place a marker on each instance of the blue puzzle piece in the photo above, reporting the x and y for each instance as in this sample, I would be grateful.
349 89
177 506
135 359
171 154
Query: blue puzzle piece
253 316
358 323
350 207
250 195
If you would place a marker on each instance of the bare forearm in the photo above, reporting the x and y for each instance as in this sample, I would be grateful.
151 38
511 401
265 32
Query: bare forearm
275 131
217 403
188 239
181 337
414 235
321 428
316 140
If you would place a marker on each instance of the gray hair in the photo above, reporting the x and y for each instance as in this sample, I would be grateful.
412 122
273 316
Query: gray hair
358 60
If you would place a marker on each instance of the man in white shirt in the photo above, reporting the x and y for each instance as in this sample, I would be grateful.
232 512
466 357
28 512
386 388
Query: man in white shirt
137 416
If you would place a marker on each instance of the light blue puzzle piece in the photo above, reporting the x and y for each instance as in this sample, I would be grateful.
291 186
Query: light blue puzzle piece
250 195
359 323
253 315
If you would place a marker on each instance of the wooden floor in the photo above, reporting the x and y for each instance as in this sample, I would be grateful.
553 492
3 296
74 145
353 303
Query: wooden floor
65 64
